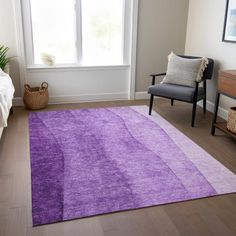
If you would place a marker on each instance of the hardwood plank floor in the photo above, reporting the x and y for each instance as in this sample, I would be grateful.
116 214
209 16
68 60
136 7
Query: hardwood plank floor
211 216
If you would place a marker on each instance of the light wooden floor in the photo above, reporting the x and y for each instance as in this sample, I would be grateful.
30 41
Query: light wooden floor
212 216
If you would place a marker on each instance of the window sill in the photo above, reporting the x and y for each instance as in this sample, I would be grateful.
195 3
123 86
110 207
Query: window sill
74 68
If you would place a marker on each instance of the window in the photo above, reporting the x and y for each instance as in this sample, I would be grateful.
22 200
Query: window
53 29
80 32
102 26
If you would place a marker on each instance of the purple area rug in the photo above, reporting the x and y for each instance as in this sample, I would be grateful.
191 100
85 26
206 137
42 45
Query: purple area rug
94 161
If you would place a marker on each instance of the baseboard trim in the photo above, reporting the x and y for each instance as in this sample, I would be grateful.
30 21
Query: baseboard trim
79 98
17 102
222 113
88 98
141 95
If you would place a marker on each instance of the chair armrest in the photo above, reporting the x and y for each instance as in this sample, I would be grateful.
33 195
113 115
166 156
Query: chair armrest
161 74
154 77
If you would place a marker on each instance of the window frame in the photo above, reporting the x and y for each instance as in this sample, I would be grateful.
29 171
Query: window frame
29 42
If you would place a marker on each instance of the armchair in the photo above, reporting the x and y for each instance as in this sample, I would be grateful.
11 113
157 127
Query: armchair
182 93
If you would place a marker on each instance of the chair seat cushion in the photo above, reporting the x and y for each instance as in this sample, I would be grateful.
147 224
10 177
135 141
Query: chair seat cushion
177 92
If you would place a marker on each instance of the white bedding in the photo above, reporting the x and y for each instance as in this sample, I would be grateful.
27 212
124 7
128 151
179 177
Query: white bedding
6 95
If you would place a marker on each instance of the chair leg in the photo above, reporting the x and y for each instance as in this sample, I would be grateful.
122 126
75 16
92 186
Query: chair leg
217 100
205 99
11 110
172 102
204 105
151 104
194 113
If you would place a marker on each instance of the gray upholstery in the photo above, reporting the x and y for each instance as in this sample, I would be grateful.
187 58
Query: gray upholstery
176 92
180 92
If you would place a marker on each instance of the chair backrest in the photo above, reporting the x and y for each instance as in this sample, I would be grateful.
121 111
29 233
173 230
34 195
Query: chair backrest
208 71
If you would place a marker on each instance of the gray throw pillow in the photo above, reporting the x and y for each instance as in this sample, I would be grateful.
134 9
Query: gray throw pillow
184 71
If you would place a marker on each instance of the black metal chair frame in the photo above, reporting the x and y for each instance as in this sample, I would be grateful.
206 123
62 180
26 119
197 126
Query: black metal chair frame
206 75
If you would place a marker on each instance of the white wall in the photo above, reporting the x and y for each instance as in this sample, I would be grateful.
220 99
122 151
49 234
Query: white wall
73 85
81 84
8 38
162 29
162 26
76 84
204 38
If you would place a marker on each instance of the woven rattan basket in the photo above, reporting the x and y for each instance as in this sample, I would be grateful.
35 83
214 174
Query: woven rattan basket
36 97
231 124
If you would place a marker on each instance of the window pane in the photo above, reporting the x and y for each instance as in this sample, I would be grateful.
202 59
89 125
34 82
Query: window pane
53 26
102 32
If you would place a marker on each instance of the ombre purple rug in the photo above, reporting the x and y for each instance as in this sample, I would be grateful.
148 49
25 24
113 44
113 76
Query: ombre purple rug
94 161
